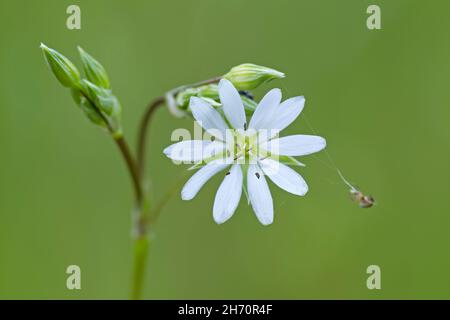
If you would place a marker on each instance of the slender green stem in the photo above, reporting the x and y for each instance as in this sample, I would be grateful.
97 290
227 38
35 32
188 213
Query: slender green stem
141 245
132 168
143 133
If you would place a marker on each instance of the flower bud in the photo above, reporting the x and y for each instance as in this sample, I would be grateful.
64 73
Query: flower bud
107 104
103 98
210 93
64 70
249 76
94 71
88 108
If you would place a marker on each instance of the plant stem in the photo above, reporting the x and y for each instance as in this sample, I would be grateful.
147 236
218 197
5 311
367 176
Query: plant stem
143 133
140 240
140 261
132 168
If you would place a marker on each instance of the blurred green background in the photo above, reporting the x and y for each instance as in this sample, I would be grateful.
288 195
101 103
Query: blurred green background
381 99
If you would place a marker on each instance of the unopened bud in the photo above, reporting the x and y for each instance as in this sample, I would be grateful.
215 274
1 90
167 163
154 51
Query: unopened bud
107 106
64 70
88 108
209 93
103 98
249 76
94 71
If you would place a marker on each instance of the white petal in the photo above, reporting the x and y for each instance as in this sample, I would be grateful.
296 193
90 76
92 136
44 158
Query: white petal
259 194
232 104
265 111
196 182
193 150
296 145
284 177
208 117
228 195
286 113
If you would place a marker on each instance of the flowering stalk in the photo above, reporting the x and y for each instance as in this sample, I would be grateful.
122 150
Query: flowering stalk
95 98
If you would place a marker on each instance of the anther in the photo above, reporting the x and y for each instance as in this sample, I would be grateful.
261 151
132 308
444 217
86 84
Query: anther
257 175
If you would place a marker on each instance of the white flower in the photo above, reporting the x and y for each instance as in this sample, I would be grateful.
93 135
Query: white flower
249 152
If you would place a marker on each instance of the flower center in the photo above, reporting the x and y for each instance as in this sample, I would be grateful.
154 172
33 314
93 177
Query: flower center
245 146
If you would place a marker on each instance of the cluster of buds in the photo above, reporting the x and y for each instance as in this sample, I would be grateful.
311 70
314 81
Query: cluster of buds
92 94
244 77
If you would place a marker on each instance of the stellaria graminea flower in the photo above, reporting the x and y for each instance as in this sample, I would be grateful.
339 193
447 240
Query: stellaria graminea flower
249 152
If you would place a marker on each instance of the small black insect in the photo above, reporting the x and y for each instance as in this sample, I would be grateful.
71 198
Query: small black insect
246 94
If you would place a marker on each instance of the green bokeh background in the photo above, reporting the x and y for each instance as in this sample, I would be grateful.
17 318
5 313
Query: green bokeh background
381 98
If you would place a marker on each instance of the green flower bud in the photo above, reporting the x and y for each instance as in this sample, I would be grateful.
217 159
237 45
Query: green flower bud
107 103
64 70
88 109
249 76
182 99
94 70
208 92
103 98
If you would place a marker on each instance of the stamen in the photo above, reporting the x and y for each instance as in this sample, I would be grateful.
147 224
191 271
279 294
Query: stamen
257 175
245 126
227 173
